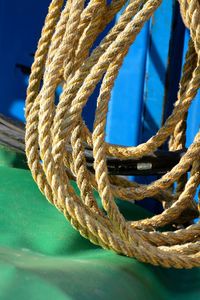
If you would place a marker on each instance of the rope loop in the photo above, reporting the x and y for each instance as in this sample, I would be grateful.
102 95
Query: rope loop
64 58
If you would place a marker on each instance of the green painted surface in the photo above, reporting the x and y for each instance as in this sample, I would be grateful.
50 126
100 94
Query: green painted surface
11 159
43 257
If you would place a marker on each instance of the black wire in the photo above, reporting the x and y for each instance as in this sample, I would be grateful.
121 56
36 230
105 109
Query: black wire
158 163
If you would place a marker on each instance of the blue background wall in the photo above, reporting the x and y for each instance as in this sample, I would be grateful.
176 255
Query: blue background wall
20 26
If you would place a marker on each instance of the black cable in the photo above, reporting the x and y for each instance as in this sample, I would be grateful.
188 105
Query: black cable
158 163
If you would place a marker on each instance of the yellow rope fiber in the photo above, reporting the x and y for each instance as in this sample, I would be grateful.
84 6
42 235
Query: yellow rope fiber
63 58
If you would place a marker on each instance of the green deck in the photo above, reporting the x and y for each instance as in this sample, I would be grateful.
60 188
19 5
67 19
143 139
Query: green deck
43 257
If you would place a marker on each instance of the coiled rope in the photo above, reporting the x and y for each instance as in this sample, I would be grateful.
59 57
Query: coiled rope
63 58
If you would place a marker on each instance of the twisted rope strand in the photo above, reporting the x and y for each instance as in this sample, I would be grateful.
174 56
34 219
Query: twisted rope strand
64 58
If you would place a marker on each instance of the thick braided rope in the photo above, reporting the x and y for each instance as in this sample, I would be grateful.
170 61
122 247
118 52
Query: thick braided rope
64 58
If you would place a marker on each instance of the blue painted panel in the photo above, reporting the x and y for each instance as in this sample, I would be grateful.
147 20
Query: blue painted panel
193 121
124 117
138 99
158 63
20 26
174 62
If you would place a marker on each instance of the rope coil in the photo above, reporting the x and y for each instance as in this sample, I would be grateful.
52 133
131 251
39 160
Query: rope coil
63 58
